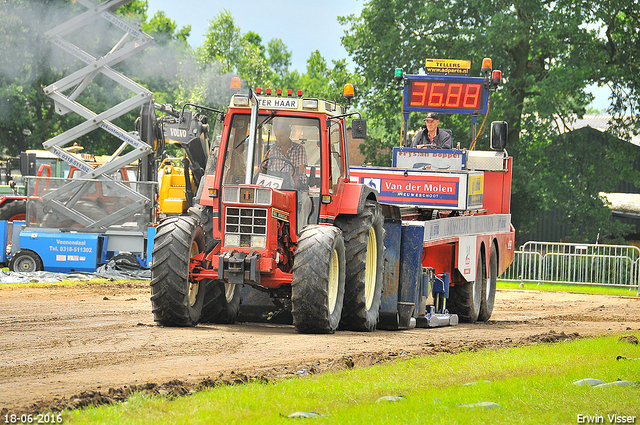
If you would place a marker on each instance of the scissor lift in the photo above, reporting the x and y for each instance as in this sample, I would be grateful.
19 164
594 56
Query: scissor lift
75 206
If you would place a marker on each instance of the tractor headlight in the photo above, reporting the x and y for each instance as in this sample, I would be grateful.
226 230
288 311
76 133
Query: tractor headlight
263 196
259 242
232 240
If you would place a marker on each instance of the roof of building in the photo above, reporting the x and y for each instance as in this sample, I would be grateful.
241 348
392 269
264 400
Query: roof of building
625 204
600 123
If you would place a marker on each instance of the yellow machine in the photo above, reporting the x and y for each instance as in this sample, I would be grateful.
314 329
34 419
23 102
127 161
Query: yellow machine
172 197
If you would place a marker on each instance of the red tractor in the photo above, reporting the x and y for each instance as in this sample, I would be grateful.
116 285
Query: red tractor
278 212
281 220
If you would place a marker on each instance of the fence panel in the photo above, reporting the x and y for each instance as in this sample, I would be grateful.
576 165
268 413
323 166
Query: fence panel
588 264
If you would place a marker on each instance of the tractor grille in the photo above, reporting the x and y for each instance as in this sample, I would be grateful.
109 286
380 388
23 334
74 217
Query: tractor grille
246 222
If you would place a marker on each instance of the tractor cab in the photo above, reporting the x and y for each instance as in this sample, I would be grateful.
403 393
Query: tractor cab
280 165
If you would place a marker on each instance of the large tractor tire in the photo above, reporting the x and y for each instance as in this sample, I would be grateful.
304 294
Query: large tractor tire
364 253
317 287
14 210
489 287
175 300
221 302
466 299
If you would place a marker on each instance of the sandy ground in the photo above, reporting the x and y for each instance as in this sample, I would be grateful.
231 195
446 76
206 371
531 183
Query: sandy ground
72 346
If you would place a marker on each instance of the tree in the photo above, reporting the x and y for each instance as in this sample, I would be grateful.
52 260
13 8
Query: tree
27 117
549 52
222 42
228 50
279 57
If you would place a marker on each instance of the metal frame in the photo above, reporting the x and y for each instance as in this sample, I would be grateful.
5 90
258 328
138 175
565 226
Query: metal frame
583 264
77 82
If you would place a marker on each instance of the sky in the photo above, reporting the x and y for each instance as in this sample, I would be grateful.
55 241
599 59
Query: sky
303 25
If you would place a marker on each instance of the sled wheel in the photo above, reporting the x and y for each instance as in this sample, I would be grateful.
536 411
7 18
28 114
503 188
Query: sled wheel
364 253
489 288
467 298
175 300
317 288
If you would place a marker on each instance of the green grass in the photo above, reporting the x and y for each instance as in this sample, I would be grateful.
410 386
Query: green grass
576 289
69 282
532 385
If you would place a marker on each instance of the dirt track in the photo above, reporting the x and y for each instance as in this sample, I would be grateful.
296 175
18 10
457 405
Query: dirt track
71 346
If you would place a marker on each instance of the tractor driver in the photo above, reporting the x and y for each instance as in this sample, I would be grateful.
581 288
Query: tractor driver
430 134
289 150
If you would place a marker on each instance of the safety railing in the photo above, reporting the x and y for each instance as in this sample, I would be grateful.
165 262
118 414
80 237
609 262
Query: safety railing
586 264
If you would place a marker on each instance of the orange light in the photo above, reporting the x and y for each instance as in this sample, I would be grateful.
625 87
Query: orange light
486 64
299 93
289 92
496 76
268 92
279 92
348 91
235 83
258 90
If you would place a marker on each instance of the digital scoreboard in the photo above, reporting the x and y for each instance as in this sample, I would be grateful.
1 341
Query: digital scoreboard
445 94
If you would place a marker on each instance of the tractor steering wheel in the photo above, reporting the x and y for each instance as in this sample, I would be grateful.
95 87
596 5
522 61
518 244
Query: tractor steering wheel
287 161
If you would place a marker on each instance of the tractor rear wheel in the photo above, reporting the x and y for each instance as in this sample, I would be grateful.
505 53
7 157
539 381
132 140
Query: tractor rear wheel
364 254
317 287
489 287
221 302
175 300
14 210
467 298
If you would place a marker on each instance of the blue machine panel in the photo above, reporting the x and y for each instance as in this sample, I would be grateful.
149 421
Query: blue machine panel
411 263
65 252
151 235
4 240
391 276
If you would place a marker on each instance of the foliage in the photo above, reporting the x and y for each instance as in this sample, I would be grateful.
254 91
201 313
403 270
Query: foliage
246 56
25 112
548 52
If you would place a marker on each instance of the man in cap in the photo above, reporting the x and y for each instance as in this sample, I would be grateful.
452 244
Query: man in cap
430 134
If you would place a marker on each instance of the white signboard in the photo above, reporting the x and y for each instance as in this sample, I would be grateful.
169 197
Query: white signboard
278 102
269 181
428 159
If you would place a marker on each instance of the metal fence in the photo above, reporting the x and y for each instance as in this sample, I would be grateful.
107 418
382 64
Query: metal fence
587 264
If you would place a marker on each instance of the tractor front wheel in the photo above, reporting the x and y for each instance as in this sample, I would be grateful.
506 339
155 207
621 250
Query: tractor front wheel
175 300
317 287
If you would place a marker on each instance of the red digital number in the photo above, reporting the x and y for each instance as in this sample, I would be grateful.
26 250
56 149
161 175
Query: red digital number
436 97
418 96
471 96
454 95
445 95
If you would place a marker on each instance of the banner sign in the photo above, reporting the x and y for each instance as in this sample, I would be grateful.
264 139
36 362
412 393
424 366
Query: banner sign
429 159
424 189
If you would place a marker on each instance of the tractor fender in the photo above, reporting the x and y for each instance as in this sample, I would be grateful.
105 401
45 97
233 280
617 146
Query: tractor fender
355 197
